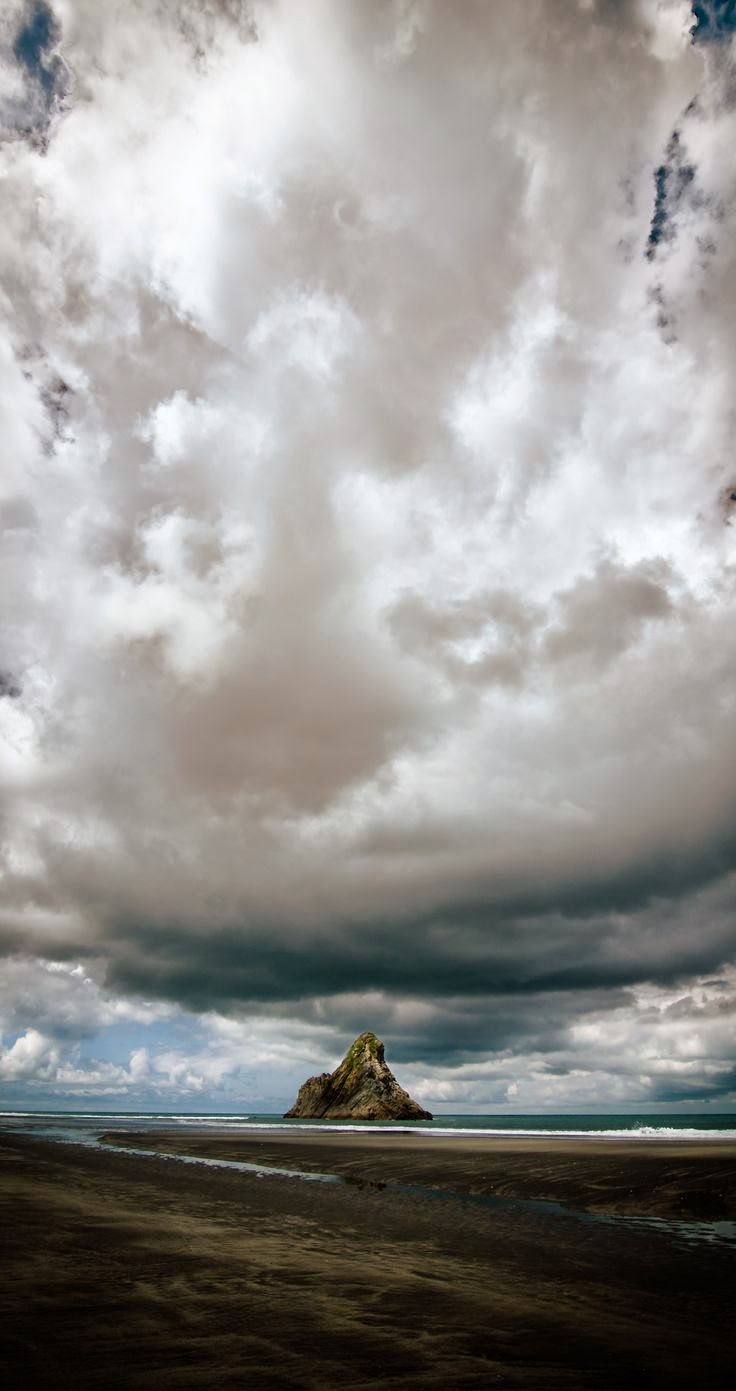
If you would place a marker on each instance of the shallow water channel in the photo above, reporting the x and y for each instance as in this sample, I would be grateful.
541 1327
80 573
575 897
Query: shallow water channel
722 1233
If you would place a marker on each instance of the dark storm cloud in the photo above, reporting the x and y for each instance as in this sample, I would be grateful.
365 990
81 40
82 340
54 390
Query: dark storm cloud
478 953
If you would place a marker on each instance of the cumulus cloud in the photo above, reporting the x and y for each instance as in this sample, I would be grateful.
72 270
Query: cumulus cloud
32 1055
367 570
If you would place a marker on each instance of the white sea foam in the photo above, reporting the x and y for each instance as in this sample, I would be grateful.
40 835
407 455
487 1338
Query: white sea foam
643 1132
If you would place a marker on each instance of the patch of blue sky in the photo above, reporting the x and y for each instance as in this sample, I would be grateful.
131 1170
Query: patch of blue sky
118 1041
715 20
34 39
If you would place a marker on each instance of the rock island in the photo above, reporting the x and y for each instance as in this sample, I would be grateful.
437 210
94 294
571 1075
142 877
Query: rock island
362 1088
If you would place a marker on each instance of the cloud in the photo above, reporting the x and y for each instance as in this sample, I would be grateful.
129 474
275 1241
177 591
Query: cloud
32 1055
367 576
65 1000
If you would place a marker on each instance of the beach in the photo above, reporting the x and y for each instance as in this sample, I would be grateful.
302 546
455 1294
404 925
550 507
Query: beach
652 1178
431 1266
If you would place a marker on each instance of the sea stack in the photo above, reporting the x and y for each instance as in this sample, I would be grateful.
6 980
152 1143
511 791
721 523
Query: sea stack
362 1088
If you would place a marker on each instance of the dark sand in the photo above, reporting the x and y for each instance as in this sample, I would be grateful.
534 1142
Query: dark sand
669 1179
120 1271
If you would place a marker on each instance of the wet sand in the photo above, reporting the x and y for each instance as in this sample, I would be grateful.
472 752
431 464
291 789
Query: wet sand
681 1180
128 1272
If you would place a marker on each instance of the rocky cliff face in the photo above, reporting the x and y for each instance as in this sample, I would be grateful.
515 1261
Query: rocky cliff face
362 1088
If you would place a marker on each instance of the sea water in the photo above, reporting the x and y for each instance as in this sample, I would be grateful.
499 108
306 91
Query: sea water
86 1126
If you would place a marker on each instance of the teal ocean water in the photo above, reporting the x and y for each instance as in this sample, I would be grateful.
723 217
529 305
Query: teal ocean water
85 1126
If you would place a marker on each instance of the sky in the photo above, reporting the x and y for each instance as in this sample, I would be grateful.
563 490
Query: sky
368 551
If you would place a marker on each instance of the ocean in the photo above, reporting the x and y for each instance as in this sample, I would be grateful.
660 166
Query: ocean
84 1127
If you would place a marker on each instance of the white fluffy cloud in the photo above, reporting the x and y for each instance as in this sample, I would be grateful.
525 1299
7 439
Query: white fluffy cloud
367 564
